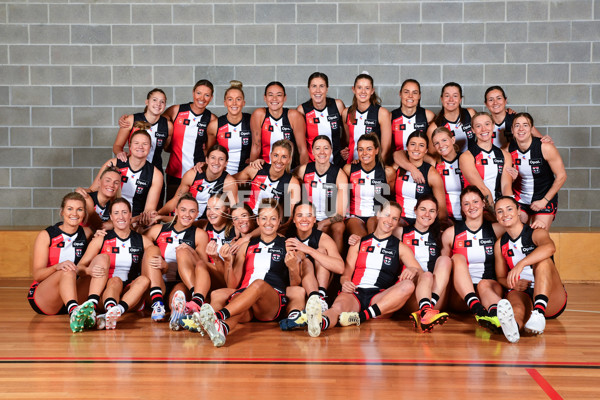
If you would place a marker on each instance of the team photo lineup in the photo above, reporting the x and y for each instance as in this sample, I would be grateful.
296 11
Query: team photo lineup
312 217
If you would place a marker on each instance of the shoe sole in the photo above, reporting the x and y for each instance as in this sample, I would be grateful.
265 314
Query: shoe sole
314 315
347 322
177 307
414 318
82 314
208 321
111 320
197 321
490 326
439 321
507 321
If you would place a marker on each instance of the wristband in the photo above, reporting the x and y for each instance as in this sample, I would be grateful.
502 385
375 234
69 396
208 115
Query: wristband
546 199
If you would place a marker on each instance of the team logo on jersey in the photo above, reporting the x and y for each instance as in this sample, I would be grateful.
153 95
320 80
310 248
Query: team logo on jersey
483 162
245 141
139 190
370 249
510 253
257 250
169 239
414 242
334 125
135 258
489 250
387 260
432 251
227 135
114 250
159 142
401 127
316 120
468 243
186 121
124 179
405 178
420 189
61 245
270 128
263 186
445 172
361 181
535 170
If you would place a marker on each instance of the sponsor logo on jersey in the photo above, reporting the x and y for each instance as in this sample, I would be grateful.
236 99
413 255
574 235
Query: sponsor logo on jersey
499 161
388 252
186 121
370 122
528 249
257 250
135 250
486 242
468 243
535 161
419 126
79 244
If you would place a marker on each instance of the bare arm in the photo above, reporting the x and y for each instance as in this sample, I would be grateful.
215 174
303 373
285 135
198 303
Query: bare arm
447 241
299 127
171 112
400 158
385 125
122 137
557 166
211 133
437 186
258 116
506 180
466 162
95 186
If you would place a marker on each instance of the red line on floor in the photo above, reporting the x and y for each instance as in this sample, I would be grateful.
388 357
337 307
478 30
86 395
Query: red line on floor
546 387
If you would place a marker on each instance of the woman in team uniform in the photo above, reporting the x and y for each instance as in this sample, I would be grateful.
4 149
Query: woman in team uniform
454 117
213 179
424 239
370 183
525 267
261 270
541 172
323 116
320 260
276 122
56 252
141 182
232 130
273 180
366 115
171 263
324 185
190 121
446 164
485 165
408 191
406 119
495 101
97 203
152 121
377 280
119 253
470 242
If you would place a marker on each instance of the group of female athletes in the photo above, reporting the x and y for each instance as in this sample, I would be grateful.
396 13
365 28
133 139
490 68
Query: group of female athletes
259 211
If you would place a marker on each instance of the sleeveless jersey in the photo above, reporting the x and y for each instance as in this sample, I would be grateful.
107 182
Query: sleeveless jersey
189 138
367 189
237 139
535 175
135 185
219 237
101 211
477 248
424 247
266 261
503 132
408 191
461 129
403 126
273 130
202 189
453 185
125 255
378 263
323 122
366 122
321 190
489 165
167 241
514 250
65 247
159 132
262 187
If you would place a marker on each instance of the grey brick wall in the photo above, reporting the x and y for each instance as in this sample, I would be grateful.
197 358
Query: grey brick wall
69 69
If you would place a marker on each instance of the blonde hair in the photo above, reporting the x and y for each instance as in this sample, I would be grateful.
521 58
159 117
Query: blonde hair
237 85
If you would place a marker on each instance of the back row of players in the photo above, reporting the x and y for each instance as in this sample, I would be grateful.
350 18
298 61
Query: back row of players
374 262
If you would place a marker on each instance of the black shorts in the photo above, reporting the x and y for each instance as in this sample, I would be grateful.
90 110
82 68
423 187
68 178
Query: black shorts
551 208
365 296
33 304
282 302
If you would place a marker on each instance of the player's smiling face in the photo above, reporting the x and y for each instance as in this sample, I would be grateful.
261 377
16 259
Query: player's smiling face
234 101
426 213
304 218
318 90
241 220
186 213
109 184
156 103
367 152
472 205
410 95
322 151
495 101
451 98
416 148
268 221
202 97
522 129
507 213
275 97
483 127
363 90
280 158
214 211
444 144
120 216
73 213
139 146
388 219
216 162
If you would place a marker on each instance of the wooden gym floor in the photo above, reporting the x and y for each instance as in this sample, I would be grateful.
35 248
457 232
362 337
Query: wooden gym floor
41 358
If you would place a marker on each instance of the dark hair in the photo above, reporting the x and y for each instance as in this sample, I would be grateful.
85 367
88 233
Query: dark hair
463 112
292 230
512 199
374 98
418 134
237 85
321 137
371 137
119 200
204 82
227 211
318 75
493 88
524 115
435 231
218 147
150 95
274 83
486 206
416 82
140 132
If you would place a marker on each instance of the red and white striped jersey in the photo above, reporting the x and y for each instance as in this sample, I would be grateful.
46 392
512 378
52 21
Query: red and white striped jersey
237 139
489 165
514 250
168 240
321 190
65 247
125 255
408 191
273 130
535 175
367 189
323 122
453 185
262 187
423 246
378 263
478 249
266 261
366 122
404 125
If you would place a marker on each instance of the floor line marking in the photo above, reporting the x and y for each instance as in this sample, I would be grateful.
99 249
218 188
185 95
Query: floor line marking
546 387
